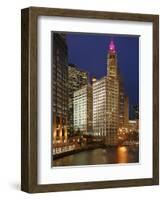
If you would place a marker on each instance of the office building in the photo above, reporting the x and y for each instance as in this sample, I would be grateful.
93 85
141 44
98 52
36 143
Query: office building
106 101
76 79
83 110
100 106
126 111
59 88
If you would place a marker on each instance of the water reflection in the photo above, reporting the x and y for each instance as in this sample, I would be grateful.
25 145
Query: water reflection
122 155
109 155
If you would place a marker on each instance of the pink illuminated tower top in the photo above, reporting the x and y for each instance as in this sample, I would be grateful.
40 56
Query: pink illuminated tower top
112 47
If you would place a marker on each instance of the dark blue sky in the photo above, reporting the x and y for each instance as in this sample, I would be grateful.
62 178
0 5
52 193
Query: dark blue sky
89 52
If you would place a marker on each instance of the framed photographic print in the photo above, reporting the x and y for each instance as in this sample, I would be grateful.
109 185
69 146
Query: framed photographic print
90 99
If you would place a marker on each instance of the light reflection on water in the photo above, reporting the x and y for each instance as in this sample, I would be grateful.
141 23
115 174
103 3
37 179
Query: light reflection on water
122 155
111 155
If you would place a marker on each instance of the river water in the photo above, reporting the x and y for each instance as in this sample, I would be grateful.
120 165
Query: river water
110 155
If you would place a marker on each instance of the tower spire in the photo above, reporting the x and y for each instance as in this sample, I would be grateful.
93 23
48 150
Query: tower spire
112 59
112 48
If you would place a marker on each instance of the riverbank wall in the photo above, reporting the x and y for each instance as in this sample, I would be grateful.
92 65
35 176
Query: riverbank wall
84 148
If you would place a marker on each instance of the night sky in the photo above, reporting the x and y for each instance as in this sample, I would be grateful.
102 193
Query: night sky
89 53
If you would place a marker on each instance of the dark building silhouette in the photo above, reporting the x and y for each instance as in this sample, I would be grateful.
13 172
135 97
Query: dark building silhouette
59 88
134 112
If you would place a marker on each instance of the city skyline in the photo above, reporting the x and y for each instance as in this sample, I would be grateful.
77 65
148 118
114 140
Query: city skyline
90 110
84 48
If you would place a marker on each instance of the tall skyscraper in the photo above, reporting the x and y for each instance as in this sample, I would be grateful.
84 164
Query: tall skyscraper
113 95
100 106
121 103
126 111
59 88
83 110
76 79
110 105
106 101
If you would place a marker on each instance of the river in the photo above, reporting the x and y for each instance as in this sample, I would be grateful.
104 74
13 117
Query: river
110 155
